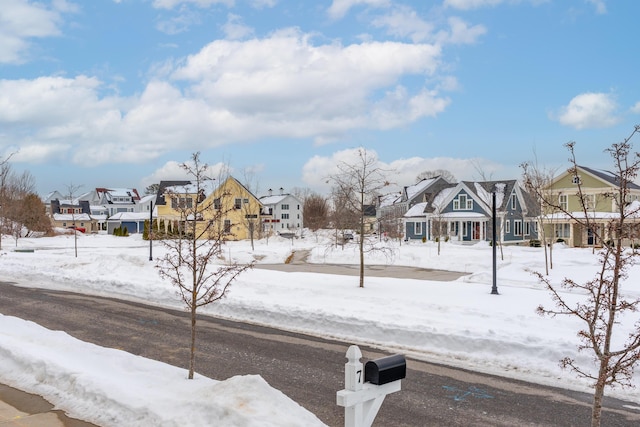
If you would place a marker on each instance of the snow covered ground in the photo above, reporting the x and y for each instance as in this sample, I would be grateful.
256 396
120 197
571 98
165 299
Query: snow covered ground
458 323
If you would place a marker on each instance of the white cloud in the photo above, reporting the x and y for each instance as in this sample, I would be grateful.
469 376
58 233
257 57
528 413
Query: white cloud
405 22
636 108
21 21
261 4
234 29
170 4
172 171
179 23
589 110
471 4
401 172
461 33
339 8
282 86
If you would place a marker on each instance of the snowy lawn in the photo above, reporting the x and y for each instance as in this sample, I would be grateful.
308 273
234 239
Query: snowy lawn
458 323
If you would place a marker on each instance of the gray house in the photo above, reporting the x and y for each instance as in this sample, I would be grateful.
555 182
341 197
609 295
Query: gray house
463 212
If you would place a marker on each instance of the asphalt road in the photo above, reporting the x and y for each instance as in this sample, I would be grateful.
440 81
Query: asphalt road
310 370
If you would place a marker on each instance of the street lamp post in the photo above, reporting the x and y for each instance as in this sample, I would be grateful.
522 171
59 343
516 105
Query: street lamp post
494 288
150 231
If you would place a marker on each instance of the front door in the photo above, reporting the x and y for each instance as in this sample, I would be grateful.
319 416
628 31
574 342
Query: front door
475 230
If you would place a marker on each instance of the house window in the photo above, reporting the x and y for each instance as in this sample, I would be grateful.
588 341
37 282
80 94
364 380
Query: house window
464 229
527 228
245 201
513 202
562 231
417 228
462 203
575 179
590 201
227 226
563 201
216 203
507 226
284 207
517 227
285 216
237 204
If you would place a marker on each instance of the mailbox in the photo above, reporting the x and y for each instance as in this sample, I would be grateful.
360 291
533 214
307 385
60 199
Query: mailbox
385 370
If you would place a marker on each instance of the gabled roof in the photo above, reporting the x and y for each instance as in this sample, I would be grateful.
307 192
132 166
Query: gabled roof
413 190
608 177
162 189
416 210
273 200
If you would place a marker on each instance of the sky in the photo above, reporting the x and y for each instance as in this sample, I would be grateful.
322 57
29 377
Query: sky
118 93
457 323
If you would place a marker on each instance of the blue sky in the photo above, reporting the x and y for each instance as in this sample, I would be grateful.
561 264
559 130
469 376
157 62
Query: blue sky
118 92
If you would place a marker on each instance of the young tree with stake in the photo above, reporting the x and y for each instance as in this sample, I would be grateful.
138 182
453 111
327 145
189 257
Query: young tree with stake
604 304
191 261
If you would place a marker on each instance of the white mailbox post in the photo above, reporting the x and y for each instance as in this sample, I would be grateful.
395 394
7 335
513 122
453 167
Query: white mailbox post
362 400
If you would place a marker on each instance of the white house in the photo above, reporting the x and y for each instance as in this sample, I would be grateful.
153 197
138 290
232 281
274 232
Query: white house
281 213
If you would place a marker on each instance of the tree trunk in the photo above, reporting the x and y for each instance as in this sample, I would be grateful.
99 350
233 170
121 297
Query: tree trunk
192 356
596 410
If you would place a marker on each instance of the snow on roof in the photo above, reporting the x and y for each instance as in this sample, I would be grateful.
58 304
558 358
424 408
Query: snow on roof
416 210
147 198
71 217
499 188
419 187
389 199
441 197
129 216
272 200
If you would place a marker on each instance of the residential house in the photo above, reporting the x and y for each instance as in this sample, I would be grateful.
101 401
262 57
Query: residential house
281 213
598 188
236 211
171 195
463 212
392 207
116 199
132 221
72 213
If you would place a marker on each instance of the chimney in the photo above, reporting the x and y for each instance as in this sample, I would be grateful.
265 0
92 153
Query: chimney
281 191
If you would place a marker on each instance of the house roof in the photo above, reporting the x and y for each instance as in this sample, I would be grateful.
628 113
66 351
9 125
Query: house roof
416 210
608 177
272 200
110 193
162 189
413 190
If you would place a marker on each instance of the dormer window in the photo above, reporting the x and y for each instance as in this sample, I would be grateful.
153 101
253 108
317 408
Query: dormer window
462 203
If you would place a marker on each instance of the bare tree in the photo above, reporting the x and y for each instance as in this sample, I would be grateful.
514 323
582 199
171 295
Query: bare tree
445 174
5 173
34 216
17 187
249 211
537 181
604 304
315 211
152 189
71 190
358 181
190 261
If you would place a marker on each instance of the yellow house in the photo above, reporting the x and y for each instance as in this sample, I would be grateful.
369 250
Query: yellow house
230 210
597 186
235 210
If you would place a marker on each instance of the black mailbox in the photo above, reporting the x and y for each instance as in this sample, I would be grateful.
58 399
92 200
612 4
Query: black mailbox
385 370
